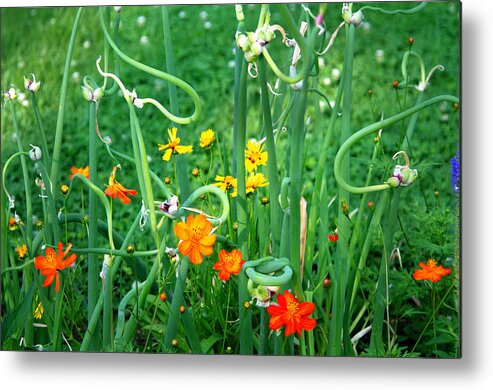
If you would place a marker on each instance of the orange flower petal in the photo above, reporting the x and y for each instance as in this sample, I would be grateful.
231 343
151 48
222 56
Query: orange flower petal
181 231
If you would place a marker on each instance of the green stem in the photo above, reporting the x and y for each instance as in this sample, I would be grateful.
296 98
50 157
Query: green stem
63 98
181 161
275 211
373 128
44 144
337 331
93 263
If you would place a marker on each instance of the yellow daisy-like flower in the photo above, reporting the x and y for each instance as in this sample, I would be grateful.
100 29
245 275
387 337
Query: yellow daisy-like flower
173 146
206 138
38 313
255 181
254 155
227 183
21 251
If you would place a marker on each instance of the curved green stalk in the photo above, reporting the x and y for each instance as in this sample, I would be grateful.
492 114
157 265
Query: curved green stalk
27 184
63 97
397 11
373 128
161 75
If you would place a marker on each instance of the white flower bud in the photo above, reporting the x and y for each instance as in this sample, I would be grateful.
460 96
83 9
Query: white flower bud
87 93
357 18
35 153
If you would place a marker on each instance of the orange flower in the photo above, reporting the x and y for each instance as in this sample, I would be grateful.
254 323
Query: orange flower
430 271
115 189
52 262
291 313
229 263
195 237
82 171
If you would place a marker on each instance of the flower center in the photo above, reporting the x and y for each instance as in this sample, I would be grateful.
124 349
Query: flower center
197 232
292 308
431 263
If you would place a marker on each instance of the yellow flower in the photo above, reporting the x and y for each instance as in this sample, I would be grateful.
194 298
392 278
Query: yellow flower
227 183
206 138
21 251
173 146
255 181
254 155
38 313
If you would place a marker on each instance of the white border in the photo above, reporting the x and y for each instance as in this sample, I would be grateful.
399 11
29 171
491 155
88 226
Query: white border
473 371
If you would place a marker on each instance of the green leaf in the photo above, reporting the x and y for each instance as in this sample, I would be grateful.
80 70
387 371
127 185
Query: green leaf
209 342
15 320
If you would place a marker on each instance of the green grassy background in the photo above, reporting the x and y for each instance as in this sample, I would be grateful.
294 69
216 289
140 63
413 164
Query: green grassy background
202 58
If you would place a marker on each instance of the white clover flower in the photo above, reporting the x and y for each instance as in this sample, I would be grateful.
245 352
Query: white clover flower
25 103
76 76
143 40
336 74
231 64
207 25
141 20
379 55
117 8
182 14
326 81
87 44
203 15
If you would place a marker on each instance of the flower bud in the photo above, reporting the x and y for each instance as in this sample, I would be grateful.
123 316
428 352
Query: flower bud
162 296
64 189
371 205
327 282
246 305
130 248
394 182
345 207
265 200
235 226
229 349
256 48
32 85
10 94
174 343
195 172
35 153
251 36
170 206
250 57
39 224
182 309
411 40
117 8
243 42
357 18
167 180
395 84
86 93
97 94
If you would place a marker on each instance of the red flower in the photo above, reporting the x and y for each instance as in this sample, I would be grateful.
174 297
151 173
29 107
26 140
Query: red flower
430 271
229 263
291 313
333 237
52 263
